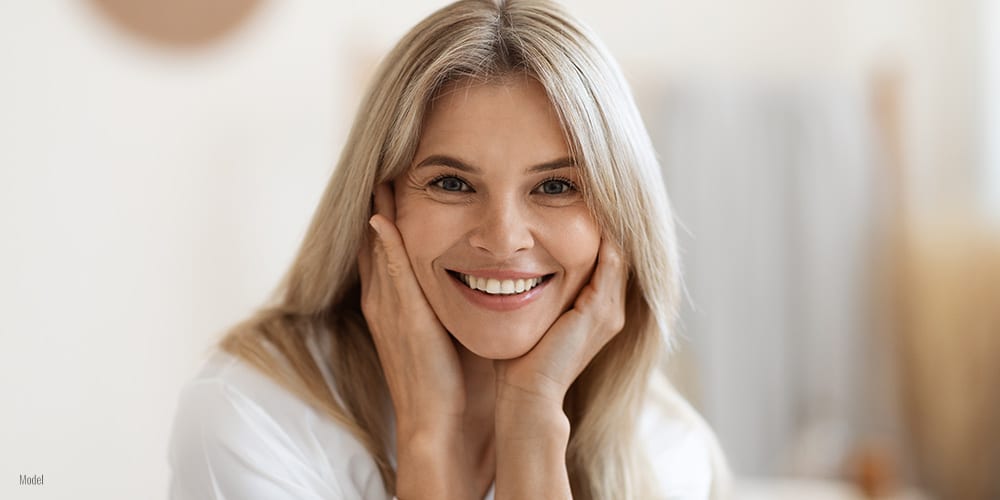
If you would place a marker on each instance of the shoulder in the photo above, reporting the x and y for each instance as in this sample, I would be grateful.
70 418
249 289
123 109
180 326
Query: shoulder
239 434
682 448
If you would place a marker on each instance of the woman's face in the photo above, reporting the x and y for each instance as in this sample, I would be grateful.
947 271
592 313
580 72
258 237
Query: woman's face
497 232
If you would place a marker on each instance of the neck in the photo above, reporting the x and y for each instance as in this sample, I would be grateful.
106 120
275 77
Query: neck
480 382
480 393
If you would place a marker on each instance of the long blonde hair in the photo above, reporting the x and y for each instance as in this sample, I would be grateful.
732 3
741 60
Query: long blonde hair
484 40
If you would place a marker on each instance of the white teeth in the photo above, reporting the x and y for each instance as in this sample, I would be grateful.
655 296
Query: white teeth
500 287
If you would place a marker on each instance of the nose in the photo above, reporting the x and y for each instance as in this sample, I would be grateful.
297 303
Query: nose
503 229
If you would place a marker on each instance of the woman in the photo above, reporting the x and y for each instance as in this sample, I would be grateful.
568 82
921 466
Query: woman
481 302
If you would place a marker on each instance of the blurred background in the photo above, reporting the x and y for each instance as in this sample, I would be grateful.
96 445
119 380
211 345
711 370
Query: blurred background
835 166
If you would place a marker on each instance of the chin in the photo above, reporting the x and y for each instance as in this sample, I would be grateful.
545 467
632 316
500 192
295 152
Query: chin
497 344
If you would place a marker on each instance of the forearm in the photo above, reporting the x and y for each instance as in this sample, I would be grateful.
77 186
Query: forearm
531 452
430 466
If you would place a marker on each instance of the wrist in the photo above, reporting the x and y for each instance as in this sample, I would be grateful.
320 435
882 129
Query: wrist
436 431
531 443
428 466
531 419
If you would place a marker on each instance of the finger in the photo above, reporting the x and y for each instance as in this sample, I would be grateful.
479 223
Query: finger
610 283
371 253
385 203
365 260
389 240
366 251
396 261
611 274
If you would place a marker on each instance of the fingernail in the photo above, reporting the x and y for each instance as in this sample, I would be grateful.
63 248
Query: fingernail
371 222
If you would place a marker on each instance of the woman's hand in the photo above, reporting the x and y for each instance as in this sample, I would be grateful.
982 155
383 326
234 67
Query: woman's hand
544 374
532 431
420 362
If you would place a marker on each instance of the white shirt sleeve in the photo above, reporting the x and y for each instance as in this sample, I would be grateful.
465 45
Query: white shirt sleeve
682 448
237 435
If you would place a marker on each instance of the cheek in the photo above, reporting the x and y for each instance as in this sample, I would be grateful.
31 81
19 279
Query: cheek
574 240
424 231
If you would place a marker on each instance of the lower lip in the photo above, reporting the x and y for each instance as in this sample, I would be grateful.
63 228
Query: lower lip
500 302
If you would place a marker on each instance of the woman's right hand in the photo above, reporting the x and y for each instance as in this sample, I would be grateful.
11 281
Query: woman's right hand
420 362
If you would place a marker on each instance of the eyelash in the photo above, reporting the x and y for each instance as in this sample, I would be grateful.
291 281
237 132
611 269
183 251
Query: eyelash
436 180
570 186
433 183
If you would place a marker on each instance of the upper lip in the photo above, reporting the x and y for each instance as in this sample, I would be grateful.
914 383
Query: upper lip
500 274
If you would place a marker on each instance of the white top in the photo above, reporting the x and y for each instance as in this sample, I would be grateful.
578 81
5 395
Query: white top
239 435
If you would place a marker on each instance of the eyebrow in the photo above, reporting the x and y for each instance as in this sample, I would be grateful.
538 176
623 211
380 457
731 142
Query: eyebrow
457 164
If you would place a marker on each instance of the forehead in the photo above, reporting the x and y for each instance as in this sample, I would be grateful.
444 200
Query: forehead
508 123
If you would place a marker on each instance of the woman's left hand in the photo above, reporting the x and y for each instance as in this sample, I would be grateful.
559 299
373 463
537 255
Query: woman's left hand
532 431
543 375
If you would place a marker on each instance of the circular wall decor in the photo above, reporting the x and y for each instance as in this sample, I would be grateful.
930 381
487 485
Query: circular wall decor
184 23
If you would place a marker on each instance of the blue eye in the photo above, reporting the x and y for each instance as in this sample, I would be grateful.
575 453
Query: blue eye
556 186
450 183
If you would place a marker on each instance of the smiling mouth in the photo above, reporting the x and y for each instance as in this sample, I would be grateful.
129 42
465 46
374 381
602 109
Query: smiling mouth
493 286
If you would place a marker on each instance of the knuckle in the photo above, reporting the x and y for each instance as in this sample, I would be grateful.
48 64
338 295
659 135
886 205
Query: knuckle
612 317
585 301
376 255
368 308
613 258
617 322
394 268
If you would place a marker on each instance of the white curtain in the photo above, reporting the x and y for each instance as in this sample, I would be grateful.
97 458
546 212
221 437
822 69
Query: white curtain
776 191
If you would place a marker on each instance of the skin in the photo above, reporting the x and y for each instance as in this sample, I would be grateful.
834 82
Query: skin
498 217
478 393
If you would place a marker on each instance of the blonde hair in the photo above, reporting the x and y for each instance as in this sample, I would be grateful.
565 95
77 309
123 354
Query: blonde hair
485 41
